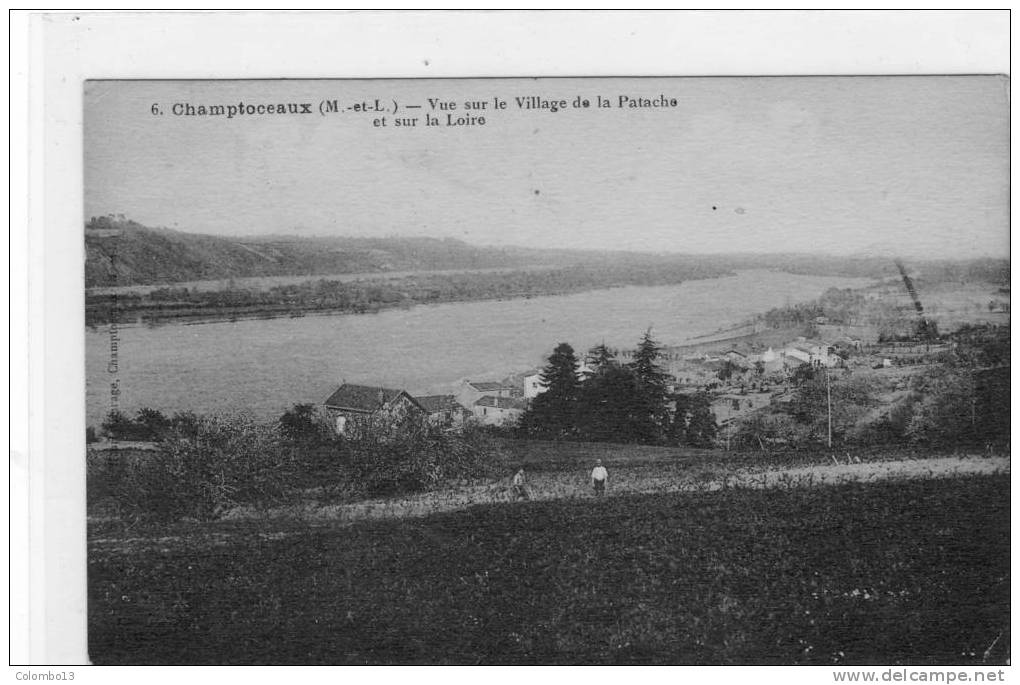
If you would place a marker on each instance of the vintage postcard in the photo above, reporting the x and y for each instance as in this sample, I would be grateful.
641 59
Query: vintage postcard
681 371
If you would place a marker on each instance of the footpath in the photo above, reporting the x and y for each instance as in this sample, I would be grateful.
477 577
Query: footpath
575 486
549 486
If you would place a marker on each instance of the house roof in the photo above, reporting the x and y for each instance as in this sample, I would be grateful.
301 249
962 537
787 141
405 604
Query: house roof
366 398
487 386
437 403
501 402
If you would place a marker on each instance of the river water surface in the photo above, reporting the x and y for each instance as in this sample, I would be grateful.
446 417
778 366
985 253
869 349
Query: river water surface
267 365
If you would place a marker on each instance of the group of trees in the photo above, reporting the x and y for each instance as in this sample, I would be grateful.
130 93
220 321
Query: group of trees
206 466
966 399
838 305
615 402
146 425
368 295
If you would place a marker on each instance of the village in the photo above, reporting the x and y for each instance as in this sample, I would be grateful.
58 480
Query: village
740 375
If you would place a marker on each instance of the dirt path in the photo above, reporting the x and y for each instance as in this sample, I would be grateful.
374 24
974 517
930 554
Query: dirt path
573 486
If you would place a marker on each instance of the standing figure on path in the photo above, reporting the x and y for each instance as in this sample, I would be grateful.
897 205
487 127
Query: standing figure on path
599 476
520 485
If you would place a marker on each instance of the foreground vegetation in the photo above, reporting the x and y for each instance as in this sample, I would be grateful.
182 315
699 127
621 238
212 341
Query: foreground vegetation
203 467
897 572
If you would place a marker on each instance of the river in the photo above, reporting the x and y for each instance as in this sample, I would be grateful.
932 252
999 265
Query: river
267 365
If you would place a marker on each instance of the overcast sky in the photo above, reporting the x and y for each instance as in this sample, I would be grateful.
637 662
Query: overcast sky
915 165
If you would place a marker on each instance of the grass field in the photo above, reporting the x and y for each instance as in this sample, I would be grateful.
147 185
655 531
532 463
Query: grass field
904 572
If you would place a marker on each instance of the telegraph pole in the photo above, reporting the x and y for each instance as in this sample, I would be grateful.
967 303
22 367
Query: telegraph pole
828 398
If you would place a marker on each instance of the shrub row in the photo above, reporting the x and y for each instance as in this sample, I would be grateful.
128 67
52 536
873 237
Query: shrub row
223 462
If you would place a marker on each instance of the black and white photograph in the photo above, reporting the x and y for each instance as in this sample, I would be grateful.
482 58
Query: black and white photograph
629 370
548 371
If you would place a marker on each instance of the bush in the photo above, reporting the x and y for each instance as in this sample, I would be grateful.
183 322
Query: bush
201 472
117 426
890 428
230 461
206 466
185 423
379 459
151 423
764 430
304 425
947 411
148 425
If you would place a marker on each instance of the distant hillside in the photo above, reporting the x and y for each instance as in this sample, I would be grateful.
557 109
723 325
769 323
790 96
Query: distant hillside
123 252
120 252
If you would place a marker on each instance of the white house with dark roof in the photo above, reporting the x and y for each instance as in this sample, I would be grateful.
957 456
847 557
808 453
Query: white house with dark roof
352 402
812 353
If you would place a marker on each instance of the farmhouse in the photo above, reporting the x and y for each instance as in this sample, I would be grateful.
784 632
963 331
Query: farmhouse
801 353
737 358
362 402
495 411
472 391
443 410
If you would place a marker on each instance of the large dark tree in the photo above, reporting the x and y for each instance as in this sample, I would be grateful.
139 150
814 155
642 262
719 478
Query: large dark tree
600 358
693 422
646 364
559 377
653 379
553 413
613 407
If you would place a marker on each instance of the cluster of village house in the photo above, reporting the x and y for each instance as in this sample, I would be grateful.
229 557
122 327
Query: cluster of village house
488 402
742 382
737 382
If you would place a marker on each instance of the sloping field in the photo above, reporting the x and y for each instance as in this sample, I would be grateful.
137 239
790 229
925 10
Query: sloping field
895 572
650 478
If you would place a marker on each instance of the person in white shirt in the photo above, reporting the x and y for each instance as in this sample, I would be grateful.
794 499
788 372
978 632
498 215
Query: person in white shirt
599 477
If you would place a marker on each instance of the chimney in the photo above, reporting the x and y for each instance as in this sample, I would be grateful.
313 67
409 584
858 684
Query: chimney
382 397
